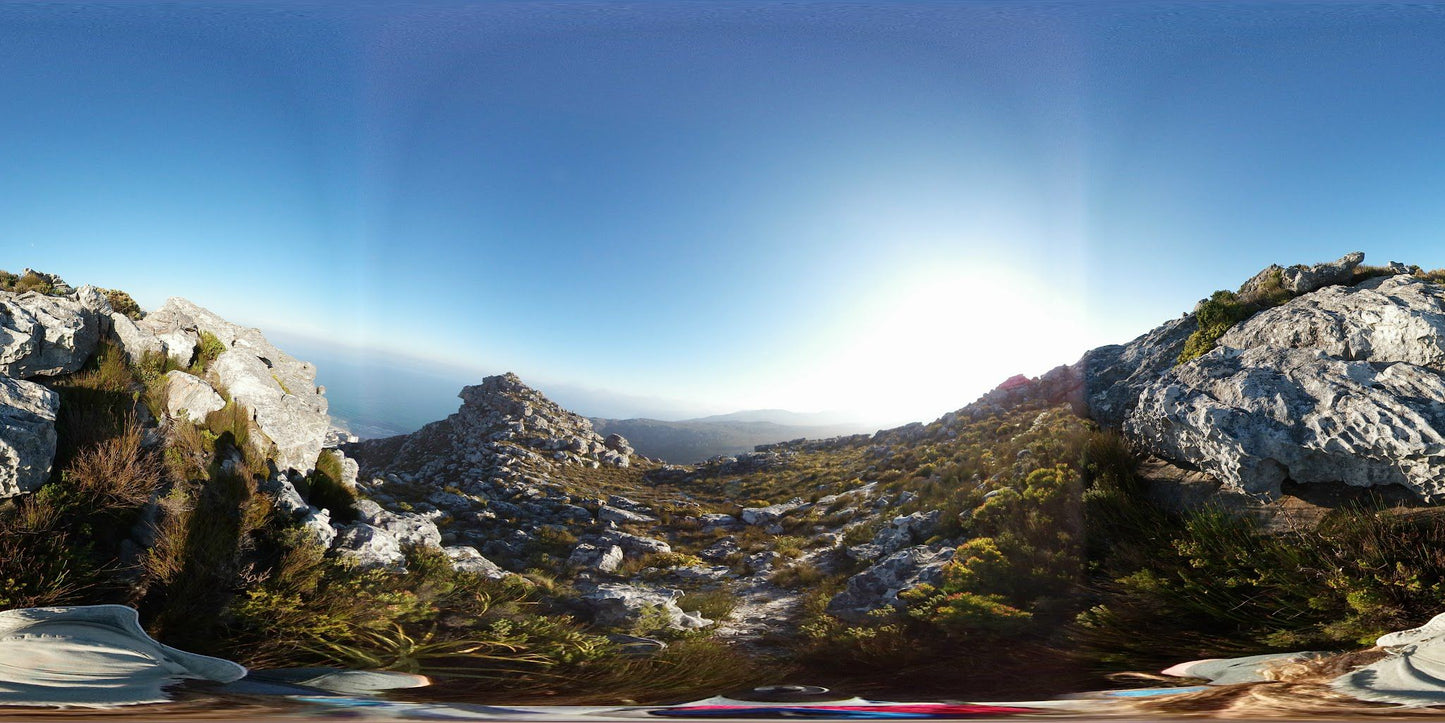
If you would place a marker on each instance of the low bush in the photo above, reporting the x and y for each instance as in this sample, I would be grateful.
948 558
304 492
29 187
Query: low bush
123 303
32 281
206 352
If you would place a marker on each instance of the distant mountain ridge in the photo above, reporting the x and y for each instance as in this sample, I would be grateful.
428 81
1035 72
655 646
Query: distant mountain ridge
784 417
694 440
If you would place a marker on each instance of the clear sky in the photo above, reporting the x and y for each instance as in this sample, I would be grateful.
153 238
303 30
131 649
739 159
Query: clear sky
883 209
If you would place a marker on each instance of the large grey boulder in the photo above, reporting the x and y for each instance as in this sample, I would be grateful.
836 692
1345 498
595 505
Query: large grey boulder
1386 319
171 327
603 558
284 497
1257 417
369 547
190 397
617 605
134 342
878 586
1113 376
608 513
635 544
407 528
1302 279
27 435
1339 385
772 514
467 559
50 335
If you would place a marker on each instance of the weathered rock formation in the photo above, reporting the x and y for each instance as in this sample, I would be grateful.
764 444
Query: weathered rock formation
27 435
279 390
1340 385
48 335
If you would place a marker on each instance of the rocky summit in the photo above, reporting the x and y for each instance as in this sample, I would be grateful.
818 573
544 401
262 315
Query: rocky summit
1041 509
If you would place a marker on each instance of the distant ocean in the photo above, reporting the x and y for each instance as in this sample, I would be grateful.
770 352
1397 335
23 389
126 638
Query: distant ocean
378 396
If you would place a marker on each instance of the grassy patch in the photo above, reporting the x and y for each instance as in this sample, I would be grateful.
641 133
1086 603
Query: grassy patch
716 604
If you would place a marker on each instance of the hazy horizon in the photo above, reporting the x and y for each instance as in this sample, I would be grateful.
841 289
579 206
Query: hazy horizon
880 211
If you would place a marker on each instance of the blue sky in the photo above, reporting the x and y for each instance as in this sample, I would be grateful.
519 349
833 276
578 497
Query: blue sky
882 209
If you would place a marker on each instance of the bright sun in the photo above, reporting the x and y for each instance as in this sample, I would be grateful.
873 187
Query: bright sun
933 340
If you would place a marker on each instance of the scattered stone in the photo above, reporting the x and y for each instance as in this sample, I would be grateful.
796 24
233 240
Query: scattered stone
594 557
608 513
636 544
718 551
772 514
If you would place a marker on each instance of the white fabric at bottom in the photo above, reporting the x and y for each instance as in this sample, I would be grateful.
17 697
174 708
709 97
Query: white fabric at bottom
94 656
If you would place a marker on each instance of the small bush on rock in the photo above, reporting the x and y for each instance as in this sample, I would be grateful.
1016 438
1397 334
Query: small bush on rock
123 303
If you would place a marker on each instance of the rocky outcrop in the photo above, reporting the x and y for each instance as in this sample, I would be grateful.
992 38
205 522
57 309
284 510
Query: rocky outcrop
1384 319
1301 279
1255 418
49 335
279 391
135 342
467 559
878 586
27 435
1113 376
190 397
616 605
1340 385
368 547
500 420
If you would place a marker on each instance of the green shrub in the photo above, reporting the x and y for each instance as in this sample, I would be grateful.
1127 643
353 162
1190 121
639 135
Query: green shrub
32 281
206 352
123 303
1216 315
1223 309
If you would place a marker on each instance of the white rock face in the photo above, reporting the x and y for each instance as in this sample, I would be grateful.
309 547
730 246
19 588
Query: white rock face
134 341
190 397
622 605
27 435
49 335
369 547
1388 319
279 390
467 559
1340 385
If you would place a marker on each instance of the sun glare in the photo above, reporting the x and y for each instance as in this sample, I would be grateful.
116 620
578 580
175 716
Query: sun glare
935 338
